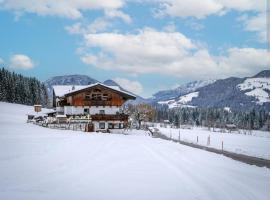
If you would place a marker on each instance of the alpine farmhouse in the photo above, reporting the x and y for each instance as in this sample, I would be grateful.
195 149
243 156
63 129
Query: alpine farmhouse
102 104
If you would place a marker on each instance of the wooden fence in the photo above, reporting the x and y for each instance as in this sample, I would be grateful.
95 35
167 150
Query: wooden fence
64 126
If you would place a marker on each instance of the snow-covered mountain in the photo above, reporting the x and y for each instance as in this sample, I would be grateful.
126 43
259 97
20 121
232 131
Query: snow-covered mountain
166 95
234 93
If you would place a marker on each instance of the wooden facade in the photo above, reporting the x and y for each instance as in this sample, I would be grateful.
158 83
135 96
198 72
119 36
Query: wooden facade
95 96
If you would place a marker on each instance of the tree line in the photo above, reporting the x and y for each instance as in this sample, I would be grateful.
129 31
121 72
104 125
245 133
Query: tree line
208 117
15 88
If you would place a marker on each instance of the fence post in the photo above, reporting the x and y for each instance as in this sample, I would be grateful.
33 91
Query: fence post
208 140
170 134
179 136
222 145
197 139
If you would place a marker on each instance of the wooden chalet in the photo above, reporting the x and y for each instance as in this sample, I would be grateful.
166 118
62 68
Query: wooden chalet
101 103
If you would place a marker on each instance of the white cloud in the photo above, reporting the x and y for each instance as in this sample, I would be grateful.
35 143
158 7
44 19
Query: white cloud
245 61
170 27
75 29
201 9
1 61
64 8
20 61
187 8
171 53
98 25
257 24
118 14
132 86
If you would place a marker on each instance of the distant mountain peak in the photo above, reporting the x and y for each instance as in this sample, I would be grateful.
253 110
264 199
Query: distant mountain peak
110 82
263 74
75 79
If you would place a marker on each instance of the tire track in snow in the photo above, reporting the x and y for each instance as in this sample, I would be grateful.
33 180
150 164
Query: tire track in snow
203 182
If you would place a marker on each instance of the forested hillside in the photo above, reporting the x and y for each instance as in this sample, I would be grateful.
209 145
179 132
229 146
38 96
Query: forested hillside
214 117
15 88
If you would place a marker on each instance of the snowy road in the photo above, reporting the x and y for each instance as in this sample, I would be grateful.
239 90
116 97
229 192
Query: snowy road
39 163
257 145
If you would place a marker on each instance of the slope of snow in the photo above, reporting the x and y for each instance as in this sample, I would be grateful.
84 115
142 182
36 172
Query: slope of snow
261 95
190 87
40 163
167 102
257 88
257 144
182 101
188 98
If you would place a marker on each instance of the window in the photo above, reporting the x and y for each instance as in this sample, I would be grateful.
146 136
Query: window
121 125
88 96
116 126
102 112
110 125
101 125
105 97
97 90
96 96
86 111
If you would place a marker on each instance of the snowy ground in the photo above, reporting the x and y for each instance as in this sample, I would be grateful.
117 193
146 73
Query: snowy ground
257 144
40 163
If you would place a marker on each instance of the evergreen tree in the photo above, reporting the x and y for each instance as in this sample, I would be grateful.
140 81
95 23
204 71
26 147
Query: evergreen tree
15 88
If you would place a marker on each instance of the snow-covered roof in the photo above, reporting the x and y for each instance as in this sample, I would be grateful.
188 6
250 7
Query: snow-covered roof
62 90
42 113
61 116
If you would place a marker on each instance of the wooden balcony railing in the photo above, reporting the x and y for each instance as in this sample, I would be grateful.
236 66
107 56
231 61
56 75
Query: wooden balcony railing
97 103
104 117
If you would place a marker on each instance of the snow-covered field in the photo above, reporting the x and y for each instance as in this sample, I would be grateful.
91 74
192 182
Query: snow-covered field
257 144
40 163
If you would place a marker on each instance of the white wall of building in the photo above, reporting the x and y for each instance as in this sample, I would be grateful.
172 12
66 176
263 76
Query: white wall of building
72 110
108 110
97 128
79 110
59 109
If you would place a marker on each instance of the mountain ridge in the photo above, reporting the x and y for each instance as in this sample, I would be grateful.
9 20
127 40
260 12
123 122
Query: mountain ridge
240 94
236 93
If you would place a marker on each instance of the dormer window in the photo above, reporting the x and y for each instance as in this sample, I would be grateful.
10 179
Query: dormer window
88 96
97 90
96 96
105 97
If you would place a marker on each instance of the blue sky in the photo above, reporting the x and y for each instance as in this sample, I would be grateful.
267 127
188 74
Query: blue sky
145 46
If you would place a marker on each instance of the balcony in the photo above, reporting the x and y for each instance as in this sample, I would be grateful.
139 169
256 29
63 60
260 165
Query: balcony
88 102
104 117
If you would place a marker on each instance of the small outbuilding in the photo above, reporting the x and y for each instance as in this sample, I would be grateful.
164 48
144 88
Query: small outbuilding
61 119
231 127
